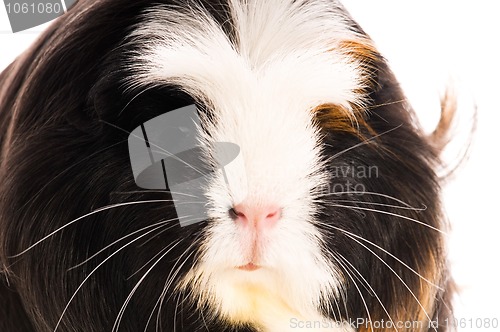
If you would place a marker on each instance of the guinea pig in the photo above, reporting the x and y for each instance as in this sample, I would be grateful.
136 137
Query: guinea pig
318 202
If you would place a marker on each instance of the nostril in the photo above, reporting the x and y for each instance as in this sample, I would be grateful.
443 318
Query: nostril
273 215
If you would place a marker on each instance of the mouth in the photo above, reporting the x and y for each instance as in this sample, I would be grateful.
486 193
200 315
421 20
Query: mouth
249 267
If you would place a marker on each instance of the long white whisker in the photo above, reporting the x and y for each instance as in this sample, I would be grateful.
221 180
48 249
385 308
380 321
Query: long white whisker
167 283
379 204
169 280
385 251
131 100
109 207
153 191
175 311
391 214
357 288
123 238
375 194
338 308
371 288
67 169
152 144
118 319
362 143
147 263
93 271
397 275
204 321
385 104
157 302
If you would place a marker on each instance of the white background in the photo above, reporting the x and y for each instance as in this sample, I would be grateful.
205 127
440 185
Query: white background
428 44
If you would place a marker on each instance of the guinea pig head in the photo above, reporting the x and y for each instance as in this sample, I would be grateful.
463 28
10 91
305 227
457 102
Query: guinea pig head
239 165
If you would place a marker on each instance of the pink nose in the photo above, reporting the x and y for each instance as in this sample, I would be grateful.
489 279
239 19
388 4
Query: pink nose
259 217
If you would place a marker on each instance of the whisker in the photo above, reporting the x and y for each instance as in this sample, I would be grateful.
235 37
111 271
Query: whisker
171 277
151 191
397 275
93 271
204 321
380 204
361 280
350 234
388 103
343 296
133 98
357 288
166 285
169 284
175 311
377 194
330 308
365 142
156 235
109 207
370 287
391 214
123 238
152 144
344 301
147 263
67 169
119 317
